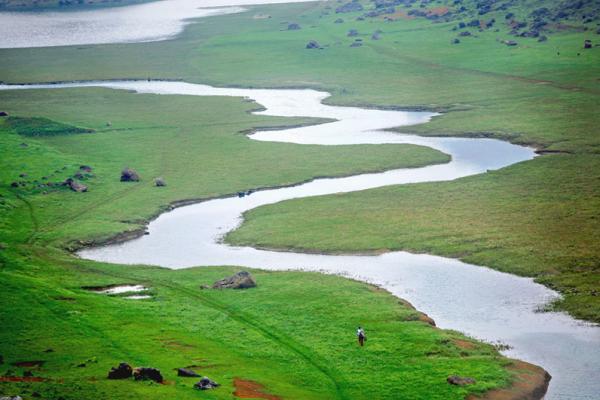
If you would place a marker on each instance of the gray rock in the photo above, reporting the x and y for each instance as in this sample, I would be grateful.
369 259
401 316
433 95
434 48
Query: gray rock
293 27
240 280
587 44
75 186
188 373
352 33
145 373
129 175
205 384
123 371
313 44
460 380
160 182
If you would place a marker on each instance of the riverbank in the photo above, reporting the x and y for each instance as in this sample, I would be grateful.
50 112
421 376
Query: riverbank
79 334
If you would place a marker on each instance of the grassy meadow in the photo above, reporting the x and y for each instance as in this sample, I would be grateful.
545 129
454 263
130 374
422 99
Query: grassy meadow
295 332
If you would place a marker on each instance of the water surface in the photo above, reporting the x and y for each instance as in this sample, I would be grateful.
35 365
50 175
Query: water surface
149 22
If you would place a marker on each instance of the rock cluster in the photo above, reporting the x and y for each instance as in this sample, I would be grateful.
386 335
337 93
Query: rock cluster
123 371
206 384
129 175
240 280
460 380
75 186
145 374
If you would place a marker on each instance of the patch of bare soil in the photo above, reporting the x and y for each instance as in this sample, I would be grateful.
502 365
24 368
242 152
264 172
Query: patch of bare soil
246 389
29 364
463 344
530 383
22 379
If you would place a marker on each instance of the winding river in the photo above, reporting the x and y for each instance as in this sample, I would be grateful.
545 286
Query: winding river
487 304
479 301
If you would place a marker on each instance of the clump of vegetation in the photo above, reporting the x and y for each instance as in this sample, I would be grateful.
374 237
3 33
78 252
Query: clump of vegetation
38 126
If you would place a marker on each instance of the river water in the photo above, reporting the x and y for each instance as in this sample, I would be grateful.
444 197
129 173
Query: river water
481 302
486 304
154 21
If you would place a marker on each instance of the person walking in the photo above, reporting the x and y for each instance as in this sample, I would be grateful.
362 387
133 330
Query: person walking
360 333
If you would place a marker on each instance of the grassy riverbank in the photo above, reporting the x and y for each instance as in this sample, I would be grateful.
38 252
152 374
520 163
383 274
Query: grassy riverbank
68 338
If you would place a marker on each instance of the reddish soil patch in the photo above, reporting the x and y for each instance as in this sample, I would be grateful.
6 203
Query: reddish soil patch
21 379
530 383
426 318
245 389
439 11
463 344
29 364
396 15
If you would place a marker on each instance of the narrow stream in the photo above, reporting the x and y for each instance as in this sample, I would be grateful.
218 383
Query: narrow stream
486 304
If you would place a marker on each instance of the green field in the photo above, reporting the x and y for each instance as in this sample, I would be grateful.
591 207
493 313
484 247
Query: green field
295 332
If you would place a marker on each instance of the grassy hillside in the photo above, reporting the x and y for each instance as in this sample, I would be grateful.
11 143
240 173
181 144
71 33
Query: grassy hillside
536 218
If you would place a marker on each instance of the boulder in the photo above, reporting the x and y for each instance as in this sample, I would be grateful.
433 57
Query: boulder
129 175
455 41
352 33
185 372
293 27
542 38
75 186
313 44
145 374
460 380
376 35
464 33
123 371
85 168
509 42
240 280
3 114
160 182
356 44
338 21
205 384
587 44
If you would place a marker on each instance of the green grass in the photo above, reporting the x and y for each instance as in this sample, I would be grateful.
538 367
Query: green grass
294 334
33 126
536 218
196 145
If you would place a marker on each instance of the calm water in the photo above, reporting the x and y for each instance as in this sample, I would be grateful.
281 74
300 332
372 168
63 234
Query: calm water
139 23
481 302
